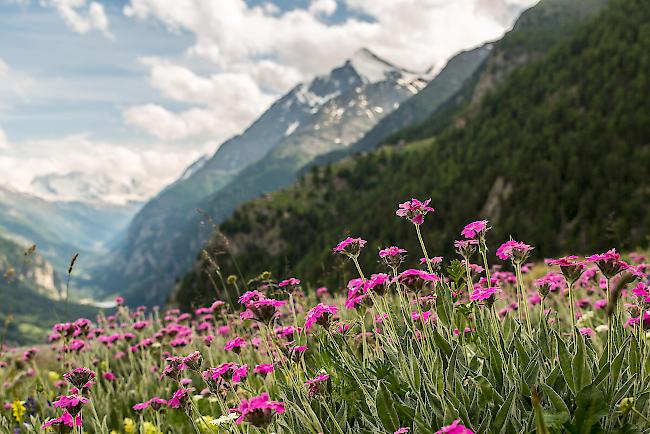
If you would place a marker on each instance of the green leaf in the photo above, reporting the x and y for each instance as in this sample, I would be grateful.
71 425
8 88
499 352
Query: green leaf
386 409
442 344
565 364
502 414
556 401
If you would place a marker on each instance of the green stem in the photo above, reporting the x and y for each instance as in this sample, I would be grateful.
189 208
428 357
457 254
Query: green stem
424 249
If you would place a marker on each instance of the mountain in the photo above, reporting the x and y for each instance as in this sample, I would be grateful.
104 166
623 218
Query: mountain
555 155
59 229
80 187
31 293
330 112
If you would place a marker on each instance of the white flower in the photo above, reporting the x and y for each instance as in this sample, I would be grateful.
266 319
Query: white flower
602 328
225 419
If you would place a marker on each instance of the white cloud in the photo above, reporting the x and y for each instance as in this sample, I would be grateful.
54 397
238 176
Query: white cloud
325 7
260 52
153 165
81 18
4 143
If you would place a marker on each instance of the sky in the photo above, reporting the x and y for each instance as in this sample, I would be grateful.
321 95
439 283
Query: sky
138 89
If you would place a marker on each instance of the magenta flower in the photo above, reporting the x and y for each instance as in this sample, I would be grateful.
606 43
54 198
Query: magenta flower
264 310
402 430
259 410
350 246
516 251
155 403
416 280
320 314
571 269
475 229
356 294
109 376
264 368
64 423
81 378
246 297
70 403
641 290
586 332
317 384
322 292
480 293
609 263
378 284
235 345
414 210
180 397
454 428
426 316
391 251
292 281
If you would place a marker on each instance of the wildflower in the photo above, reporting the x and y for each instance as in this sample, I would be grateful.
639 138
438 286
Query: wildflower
392 256
155 403
609 263
317 384
225 419
417 280
322 292
378 284
571 269
129 426
290 285
480 293
414 210
320 314
235 345
109 376
356 294
119 301
434 262
264 310
246 297
465 248
258 411
475 229
180 397
426 316
71 403
81 378
586 332
264 368
63 424
402 430
18 411
454 428
516 251
350 247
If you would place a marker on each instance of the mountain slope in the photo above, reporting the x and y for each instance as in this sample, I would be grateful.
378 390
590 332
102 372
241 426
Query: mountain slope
31 293
329 113
59 228
557 155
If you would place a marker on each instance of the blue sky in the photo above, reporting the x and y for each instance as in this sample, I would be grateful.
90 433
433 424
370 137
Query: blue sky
140 88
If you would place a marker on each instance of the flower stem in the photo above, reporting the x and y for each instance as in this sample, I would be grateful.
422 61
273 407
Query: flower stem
424 249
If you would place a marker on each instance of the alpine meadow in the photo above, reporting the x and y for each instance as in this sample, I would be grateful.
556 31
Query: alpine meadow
325 217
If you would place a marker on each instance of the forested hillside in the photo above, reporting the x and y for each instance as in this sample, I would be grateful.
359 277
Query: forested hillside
557 155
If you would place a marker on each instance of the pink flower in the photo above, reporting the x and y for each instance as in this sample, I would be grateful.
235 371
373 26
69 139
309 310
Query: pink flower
479 293
317 384
155 403
321 292
289 282
320 314
587 332
180 397
641 290
264 368
71 403
350 246
250 295
514 250
259 410
80 378
109 376
65 420
609 263
378 284
264 310
235 345
415 279
391 251
119 301
454 428
414 210
402 430
356 294
474 229
426 316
